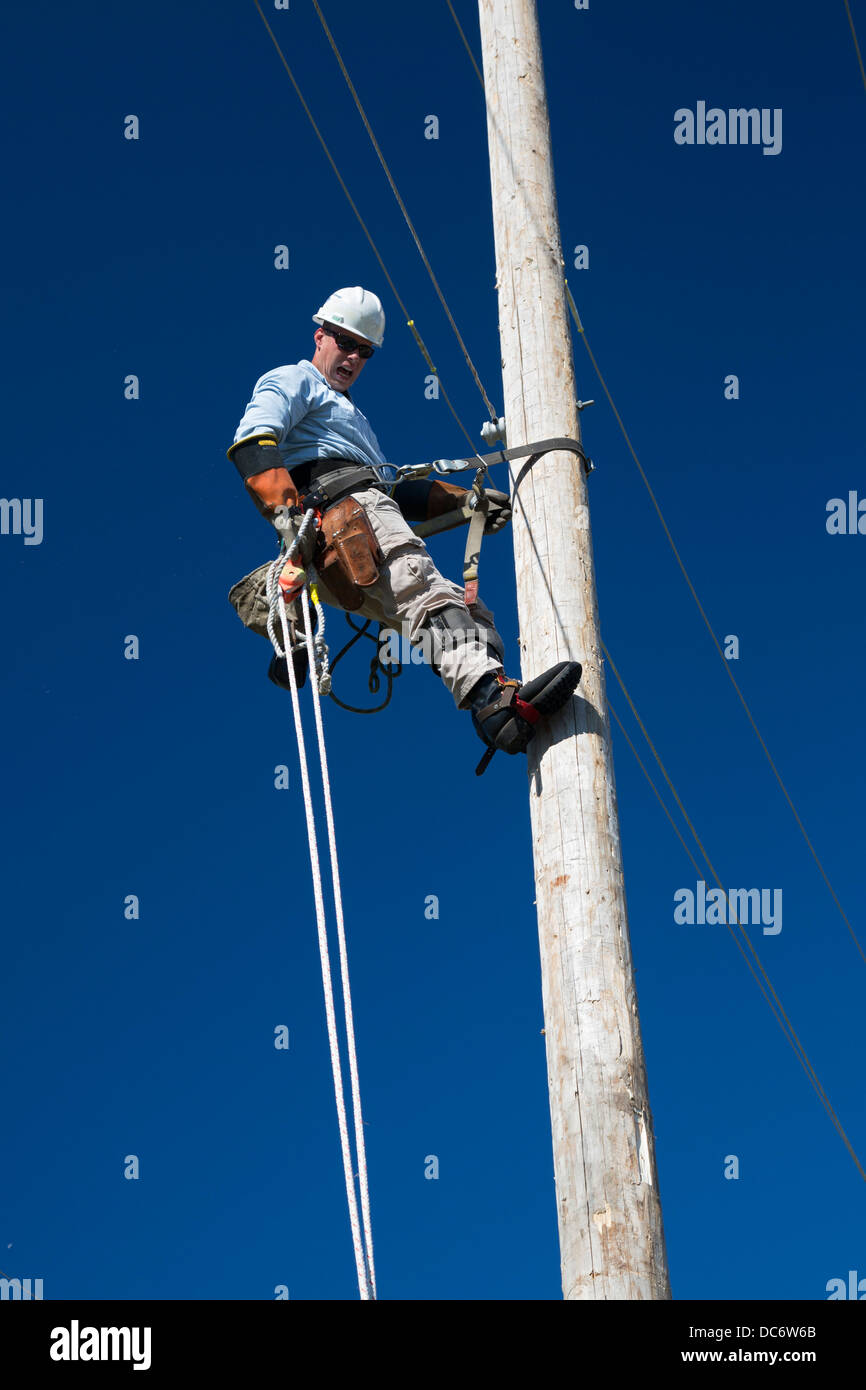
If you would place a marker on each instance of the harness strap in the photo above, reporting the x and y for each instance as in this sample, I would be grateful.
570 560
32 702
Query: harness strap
482 766
473 548
336 483
536 451
475 516
509 699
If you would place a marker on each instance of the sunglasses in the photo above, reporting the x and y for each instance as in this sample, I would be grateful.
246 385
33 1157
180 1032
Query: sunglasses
347 344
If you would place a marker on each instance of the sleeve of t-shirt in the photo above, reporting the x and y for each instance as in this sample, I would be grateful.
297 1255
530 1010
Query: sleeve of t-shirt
280 399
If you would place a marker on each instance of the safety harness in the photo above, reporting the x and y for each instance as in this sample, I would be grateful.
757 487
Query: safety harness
330 481
328 485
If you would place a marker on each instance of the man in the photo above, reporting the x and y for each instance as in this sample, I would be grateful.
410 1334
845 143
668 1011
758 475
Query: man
303 441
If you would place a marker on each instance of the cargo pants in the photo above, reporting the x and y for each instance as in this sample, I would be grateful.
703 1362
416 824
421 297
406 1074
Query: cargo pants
410 588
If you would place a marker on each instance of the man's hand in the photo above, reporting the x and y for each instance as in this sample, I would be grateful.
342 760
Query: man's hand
498 510
447 497
287 521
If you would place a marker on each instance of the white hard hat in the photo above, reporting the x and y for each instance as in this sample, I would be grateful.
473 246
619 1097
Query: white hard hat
355 309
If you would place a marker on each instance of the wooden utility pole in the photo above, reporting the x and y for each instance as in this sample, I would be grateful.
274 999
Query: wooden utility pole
610 1220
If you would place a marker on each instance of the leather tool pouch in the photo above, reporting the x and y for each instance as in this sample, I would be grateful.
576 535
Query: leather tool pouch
348 556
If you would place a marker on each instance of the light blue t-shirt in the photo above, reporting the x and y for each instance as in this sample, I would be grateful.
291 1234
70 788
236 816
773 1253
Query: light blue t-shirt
311 420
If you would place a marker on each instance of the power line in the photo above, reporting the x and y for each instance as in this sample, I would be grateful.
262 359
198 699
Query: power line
466 43
409 321
694 861
781 1014
791 1034
394 189
708 625
645 479
856 44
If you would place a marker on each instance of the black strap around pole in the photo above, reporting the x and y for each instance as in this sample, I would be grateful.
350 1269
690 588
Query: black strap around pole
534 451
476 516
449 520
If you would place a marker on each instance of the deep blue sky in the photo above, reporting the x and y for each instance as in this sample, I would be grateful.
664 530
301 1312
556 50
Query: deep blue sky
155 777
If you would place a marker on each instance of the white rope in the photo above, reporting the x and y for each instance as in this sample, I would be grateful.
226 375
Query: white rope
323 670
363 1253
286 552
360 1148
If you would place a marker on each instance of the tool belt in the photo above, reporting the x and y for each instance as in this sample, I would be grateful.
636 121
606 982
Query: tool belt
347 555
333 479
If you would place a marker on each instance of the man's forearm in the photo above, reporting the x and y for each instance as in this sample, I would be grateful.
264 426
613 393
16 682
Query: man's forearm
421 499
257 459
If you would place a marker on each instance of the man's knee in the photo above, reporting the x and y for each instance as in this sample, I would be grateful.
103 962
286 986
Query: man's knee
454 630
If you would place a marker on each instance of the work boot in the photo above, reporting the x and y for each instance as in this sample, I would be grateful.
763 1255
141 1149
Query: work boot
505 712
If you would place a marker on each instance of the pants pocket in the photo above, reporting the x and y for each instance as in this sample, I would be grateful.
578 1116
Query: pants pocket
413 575
392 530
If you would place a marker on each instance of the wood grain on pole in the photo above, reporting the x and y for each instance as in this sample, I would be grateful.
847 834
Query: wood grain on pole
610 1221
